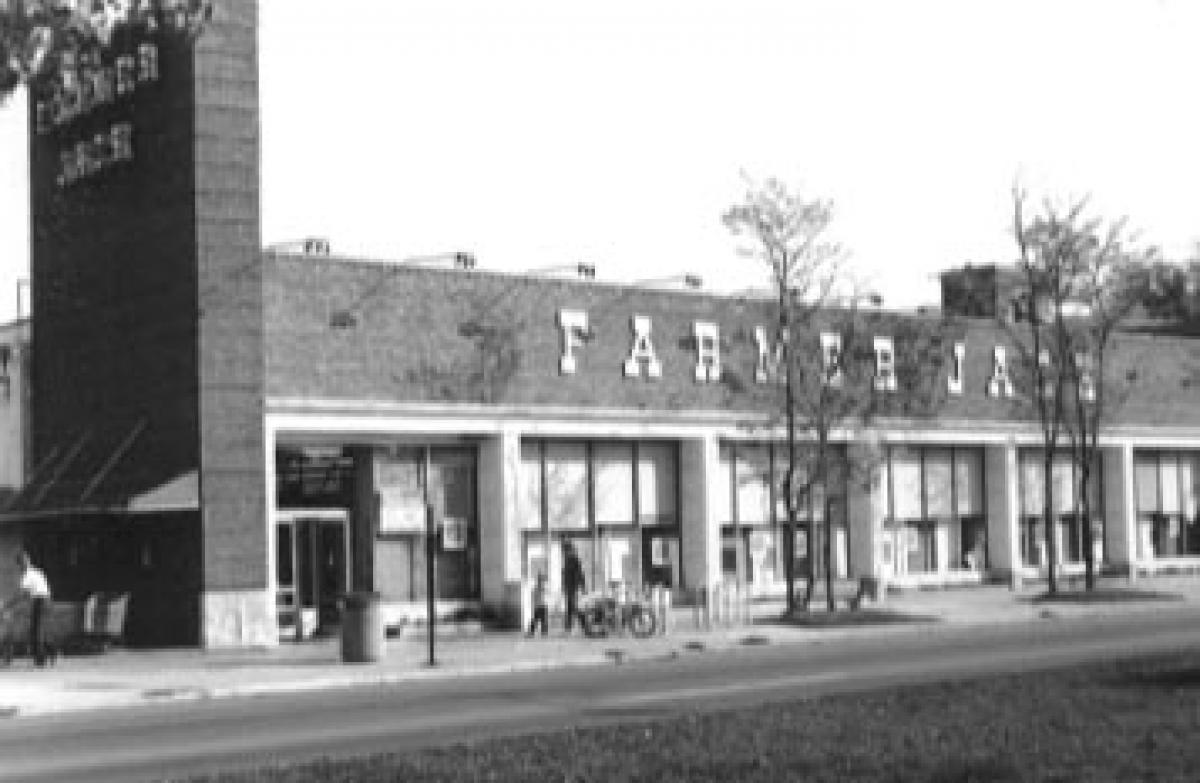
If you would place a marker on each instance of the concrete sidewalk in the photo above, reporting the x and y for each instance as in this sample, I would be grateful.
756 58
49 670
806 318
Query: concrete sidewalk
124 677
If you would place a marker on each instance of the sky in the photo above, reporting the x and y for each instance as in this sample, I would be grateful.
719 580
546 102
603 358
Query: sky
537 133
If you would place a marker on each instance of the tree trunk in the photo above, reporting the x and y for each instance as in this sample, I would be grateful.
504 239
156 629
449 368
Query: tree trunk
830 604
810 565
1085 516
1049 523
789 402
789 567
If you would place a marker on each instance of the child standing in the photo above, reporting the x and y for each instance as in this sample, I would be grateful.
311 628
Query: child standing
540 610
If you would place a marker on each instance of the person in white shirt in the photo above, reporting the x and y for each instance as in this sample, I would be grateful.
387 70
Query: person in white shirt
34 589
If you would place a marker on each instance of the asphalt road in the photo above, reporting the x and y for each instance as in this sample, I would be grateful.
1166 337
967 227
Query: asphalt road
157 741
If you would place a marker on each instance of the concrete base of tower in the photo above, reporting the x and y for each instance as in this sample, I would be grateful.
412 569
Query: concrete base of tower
238 618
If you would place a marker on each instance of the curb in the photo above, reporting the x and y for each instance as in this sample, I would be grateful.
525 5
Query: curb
688 644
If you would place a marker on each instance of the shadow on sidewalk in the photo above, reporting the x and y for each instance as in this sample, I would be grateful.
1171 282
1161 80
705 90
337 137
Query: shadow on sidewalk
1101 595
846 619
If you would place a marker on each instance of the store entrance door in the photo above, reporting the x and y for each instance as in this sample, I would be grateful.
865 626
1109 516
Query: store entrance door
312 572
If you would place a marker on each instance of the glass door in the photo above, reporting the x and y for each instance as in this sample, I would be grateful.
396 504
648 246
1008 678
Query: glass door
312 572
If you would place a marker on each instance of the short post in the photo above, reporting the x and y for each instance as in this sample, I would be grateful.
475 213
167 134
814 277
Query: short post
666 610
430 581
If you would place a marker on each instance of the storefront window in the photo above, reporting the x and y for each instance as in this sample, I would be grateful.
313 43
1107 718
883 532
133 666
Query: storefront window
753 477
1068 525
1166 490
936 508
921 547
656 484
660 559
619 563
754 545
752 555
566 486
406 479
722 485
530 497
907 501
614 482
968 482
939 481
809 495
615 501
1033 541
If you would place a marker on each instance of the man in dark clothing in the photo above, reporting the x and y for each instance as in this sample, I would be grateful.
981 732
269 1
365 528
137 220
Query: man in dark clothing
572 583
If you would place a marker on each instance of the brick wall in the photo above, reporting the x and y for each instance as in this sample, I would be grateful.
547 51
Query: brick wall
229 298
369 331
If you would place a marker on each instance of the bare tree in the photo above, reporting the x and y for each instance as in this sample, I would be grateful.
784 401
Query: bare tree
1106 283
39 38
787 233
1077 278
829 376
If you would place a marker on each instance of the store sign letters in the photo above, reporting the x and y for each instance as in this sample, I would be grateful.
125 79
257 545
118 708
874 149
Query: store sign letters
643 361
82 89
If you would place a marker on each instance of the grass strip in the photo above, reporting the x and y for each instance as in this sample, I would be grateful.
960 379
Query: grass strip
1130 720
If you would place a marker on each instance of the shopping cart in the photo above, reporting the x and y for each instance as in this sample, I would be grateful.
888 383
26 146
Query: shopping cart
14 635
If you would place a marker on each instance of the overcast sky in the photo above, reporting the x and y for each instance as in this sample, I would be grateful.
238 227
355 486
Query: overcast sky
542 132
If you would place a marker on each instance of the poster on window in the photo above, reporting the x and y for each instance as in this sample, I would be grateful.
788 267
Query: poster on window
454 534
801 544
401 496
660 553
618 551
397 516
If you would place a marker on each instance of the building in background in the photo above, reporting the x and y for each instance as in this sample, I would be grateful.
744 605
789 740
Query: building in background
14 438
238 437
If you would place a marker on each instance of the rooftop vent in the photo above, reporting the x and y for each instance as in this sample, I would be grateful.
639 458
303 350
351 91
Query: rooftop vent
309 246
687 280
458 260
316 246
582 270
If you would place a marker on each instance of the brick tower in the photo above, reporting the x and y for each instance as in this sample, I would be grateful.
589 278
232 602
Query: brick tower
148 459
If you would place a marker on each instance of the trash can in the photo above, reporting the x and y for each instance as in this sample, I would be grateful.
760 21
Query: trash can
362 628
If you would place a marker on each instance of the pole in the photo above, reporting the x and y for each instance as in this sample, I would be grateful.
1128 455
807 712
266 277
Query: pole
430 565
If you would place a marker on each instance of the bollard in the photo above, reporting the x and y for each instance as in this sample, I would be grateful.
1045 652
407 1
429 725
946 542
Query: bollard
698 607
727 604
712 614
666 611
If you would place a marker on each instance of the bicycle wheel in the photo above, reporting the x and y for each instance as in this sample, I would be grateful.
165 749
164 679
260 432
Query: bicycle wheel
642 623
593 623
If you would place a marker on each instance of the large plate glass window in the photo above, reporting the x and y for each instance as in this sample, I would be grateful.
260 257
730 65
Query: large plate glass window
615 501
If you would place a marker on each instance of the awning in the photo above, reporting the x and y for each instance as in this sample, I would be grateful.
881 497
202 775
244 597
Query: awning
118 468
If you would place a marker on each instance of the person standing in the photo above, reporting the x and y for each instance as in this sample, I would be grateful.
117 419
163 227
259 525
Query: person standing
541 611
35 589
573 583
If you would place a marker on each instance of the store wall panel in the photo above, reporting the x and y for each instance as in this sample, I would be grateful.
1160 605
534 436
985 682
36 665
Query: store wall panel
1002 508
700 518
